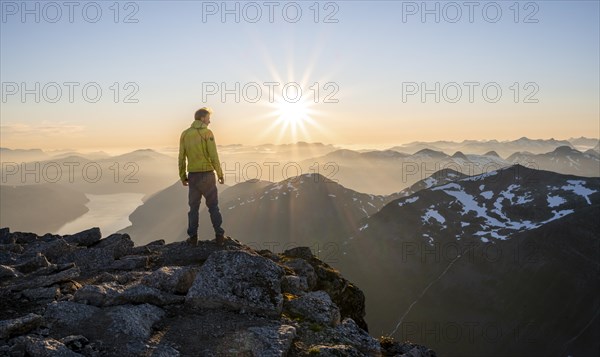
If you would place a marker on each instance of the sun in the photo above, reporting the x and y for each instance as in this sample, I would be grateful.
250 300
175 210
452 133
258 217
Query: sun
291 114
292 118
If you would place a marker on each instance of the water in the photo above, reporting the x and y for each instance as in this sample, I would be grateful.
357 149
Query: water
109 212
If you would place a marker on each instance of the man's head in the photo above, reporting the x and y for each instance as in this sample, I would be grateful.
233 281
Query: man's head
203 114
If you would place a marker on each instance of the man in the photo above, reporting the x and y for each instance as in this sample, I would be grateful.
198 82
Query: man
197 144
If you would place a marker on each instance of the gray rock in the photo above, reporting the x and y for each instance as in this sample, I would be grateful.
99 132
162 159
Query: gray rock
294 284
303 269
33 264
89 259
36 346
53 250
119 244
49 293
238 280
113 294
7 273
96 295
181 253
20 325
84 238
134 320
46 280
171 279
353 335
315 306
130 263
273 340
123 329
67 314
140 294
24 237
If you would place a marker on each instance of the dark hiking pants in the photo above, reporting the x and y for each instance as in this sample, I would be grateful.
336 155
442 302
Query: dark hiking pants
203 184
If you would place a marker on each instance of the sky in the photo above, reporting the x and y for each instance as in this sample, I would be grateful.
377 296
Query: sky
105 74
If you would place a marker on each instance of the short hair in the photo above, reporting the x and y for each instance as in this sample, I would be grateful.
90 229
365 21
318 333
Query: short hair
202 112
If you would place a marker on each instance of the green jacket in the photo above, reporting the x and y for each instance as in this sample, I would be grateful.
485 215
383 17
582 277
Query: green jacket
197 144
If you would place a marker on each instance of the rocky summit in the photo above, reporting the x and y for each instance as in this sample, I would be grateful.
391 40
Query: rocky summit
84 295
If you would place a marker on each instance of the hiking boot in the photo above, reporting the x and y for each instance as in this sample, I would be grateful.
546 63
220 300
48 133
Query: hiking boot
193 240
220 239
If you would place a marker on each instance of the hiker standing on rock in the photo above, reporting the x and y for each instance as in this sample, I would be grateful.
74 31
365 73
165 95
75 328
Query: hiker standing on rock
197 144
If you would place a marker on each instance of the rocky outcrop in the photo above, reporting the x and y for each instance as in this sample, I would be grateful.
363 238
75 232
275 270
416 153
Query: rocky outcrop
83 295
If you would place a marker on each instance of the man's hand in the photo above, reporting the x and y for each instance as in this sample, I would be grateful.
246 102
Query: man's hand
185 182
221 180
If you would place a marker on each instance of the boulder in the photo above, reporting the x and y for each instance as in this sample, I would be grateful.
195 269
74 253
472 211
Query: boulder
89 259
314 306
177 280
33 264
240 281
294 285
269 340
36 346
19 326
49 293
46 280
68 315
119 244
303 269
84 238
113 294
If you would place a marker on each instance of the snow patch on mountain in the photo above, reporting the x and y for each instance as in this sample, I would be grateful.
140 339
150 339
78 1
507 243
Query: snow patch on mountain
432 213
408 200
555 201
578 188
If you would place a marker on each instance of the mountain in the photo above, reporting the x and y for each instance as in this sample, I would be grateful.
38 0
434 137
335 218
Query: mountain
141 171
563 159
387 172
40 208
83 295
305 210
504 148
21 155
583 143
513 250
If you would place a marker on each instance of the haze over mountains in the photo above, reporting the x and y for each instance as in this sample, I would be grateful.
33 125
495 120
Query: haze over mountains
474 236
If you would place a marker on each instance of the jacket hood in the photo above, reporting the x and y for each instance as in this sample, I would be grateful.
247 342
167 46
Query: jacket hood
198 124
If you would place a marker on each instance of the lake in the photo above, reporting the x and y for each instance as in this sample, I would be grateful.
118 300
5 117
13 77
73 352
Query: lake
108 212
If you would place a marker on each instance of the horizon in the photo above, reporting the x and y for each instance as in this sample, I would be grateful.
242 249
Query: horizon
356 147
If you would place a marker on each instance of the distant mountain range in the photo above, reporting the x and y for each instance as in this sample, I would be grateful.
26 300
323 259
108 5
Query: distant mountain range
145 171
385 172
503 148
515 250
